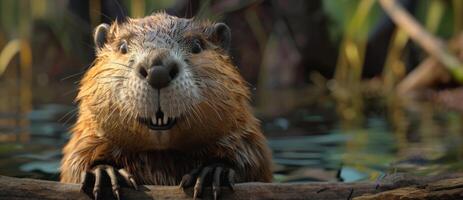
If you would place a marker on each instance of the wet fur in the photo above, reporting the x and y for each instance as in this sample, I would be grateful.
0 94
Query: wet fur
216 125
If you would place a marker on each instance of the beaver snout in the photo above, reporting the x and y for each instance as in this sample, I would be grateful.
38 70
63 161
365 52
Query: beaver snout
160 75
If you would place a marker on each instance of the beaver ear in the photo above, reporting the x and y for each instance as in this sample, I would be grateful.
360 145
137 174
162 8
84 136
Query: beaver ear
221 35
100 35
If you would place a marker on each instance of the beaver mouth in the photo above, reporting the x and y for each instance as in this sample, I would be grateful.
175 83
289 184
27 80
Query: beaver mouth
159 122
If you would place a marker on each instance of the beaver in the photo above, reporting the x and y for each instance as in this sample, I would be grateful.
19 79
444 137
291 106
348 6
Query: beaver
163 104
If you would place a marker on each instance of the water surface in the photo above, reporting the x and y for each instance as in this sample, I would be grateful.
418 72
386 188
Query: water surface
310 142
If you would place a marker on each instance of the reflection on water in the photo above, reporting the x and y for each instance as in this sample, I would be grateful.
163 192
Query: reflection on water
309 141
38 157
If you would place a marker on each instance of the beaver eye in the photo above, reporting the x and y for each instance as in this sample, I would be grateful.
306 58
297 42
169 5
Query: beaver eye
123 47
196 46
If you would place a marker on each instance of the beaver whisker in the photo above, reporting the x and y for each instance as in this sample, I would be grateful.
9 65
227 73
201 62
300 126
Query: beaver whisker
116 69
121 64
112 69
215 110
113 78
72 113
109 82
110 114
195 113
185 111
117 76
201 114
69 92
187 120
124 115
72 75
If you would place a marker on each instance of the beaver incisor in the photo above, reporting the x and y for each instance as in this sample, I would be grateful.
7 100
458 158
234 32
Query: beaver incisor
164 105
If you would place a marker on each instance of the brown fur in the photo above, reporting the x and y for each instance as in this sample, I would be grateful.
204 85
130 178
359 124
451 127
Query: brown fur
221 127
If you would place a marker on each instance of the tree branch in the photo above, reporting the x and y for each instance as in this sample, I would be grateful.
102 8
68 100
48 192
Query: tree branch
434 46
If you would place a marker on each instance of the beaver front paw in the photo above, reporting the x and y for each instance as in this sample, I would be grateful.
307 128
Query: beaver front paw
221 176
94 177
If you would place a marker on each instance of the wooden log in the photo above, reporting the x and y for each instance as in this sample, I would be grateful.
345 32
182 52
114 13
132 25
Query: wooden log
18 188
443 189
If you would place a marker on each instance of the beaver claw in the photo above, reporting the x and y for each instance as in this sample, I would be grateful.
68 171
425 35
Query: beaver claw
220 175
97 174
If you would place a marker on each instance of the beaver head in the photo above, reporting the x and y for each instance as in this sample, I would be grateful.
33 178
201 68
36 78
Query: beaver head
163 82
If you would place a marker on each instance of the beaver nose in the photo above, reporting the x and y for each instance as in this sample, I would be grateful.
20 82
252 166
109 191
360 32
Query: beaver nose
159 76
